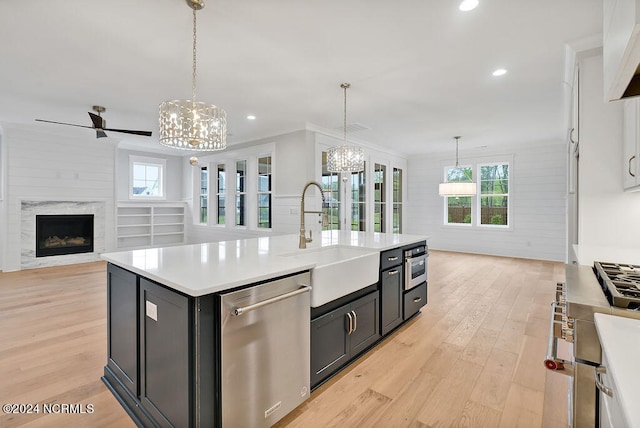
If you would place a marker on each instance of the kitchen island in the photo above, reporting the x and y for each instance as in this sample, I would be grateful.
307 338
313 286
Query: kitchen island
165 317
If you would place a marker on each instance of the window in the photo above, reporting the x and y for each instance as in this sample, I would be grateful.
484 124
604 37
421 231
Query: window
458 208
379 197
264 192
241 192
397 200
331 189
220 194
204 194
494 194
358 200
146 178
492 199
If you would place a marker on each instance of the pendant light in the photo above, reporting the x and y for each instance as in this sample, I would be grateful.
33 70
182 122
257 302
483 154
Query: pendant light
345 158
462 188
192 125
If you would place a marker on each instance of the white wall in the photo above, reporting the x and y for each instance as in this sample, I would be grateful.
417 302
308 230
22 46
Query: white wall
608 216
46 164
538 203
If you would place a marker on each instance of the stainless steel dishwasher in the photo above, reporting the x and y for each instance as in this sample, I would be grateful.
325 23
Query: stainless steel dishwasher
265 351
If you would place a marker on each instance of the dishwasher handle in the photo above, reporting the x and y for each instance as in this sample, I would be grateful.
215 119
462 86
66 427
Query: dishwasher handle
242 310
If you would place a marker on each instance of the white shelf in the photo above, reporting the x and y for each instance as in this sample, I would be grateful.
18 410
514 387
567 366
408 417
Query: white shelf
155 224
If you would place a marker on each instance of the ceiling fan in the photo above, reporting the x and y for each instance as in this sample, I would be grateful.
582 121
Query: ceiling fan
99 124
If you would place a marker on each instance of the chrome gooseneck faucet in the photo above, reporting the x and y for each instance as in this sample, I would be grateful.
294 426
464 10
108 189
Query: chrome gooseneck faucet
303 239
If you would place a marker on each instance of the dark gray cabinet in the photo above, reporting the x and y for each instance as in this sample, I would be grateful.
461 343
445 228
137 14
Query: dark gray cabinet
122 330
391 287
150 358
414 299
343 333
165 354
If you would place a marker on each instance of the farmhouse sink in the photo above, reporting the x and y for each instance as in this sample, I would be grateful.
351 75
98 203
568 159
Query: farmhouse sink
339 270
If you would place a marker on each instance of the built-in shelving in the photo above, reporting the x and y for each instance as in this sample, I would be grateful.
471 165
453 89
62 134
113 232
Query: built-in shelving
146 225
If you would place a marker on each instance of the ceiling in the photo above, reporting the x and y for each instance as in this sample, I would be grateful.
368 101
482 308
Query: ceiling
420 70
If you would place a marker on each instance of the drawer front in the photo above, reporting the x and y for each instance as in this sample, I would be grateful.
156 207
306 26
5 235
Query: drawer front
390 258
414 299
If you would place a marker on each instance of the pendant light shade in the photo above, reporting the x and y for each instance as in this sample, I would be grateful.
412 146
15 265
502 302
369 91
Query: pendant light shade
457 188
345 158
192 125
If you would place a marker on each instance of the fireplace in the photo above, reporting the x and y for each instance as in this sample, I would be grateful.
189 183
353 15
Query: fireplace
64 234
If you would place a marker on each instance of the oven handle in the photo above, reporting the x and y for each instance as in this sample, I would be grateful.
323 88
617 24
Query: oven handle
410 260
552 362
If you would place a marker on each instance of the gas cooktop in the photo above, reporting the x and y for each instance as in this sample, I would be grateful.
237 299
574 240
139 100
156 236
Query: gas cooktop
620 282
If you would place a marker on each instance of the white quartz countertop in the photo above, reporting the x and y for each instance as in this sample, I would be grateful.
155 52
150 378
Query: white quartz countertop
619 338
201 269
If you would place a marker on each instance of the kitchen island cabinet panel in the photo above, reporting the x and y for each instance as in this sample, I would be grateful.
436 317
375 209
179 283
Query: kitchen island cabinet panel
122 319
342 334
366 323
165 363
414 300
391 298
329 343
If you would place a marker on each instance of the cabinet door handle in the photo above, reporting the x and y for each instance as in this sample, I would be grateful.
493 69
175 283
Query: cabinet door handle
600 370
392 259
630 159
355 321
350 323
571 136
393 272
417 299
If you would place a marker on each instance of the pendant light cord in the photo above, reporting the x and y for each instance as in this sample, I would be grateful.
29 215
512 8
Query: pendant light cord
345 86
193 81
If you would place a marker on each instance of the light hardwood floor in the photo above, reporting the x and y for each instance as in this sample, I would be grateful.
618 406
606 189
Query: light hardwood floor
473 358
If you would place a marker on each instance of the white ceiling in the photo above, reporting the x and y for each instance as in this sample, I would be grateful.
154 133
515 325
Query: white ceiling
420 69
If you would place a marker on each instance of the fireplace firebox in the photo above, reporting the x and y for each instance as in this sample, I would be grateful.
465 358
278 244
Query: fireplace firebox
64 234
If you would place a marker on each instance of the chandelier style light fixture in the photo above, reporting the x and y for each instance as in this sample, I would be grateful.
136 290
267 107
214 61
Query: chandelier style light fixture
192 125
458 188
345 158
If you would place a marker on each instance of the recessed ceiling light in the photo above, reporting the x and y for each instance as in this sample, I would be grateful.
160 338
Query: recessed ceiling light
251 117
468 5
500 72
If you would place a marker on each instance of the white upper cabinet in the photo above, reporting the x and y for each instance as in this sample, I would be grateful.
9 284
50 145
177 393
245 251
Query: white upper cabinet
621 48
631 145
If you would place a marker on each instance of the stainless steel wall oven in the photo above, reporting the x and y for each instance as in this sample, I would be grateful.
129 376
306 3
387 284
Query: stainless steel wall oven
415 266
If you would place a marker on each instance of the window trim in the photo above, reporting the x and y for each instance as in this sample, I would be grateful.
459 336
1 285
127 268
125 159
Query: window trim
269 192
475 165
229 159
206 194
445 171
161 163
479 196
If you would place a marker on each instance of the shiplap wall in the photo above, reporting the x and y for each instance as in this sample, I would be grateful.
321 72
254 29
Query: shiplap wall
44 163
538 203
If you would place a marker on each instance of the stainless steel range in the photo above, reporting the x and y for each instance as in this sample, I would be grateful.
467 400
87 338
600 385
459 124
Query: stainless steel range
620 283
610 288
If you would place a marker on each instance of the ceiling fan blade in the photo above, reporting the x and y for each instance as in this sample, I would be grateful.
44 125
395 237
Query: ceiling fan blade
129 131
64 123
98 121
100 133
